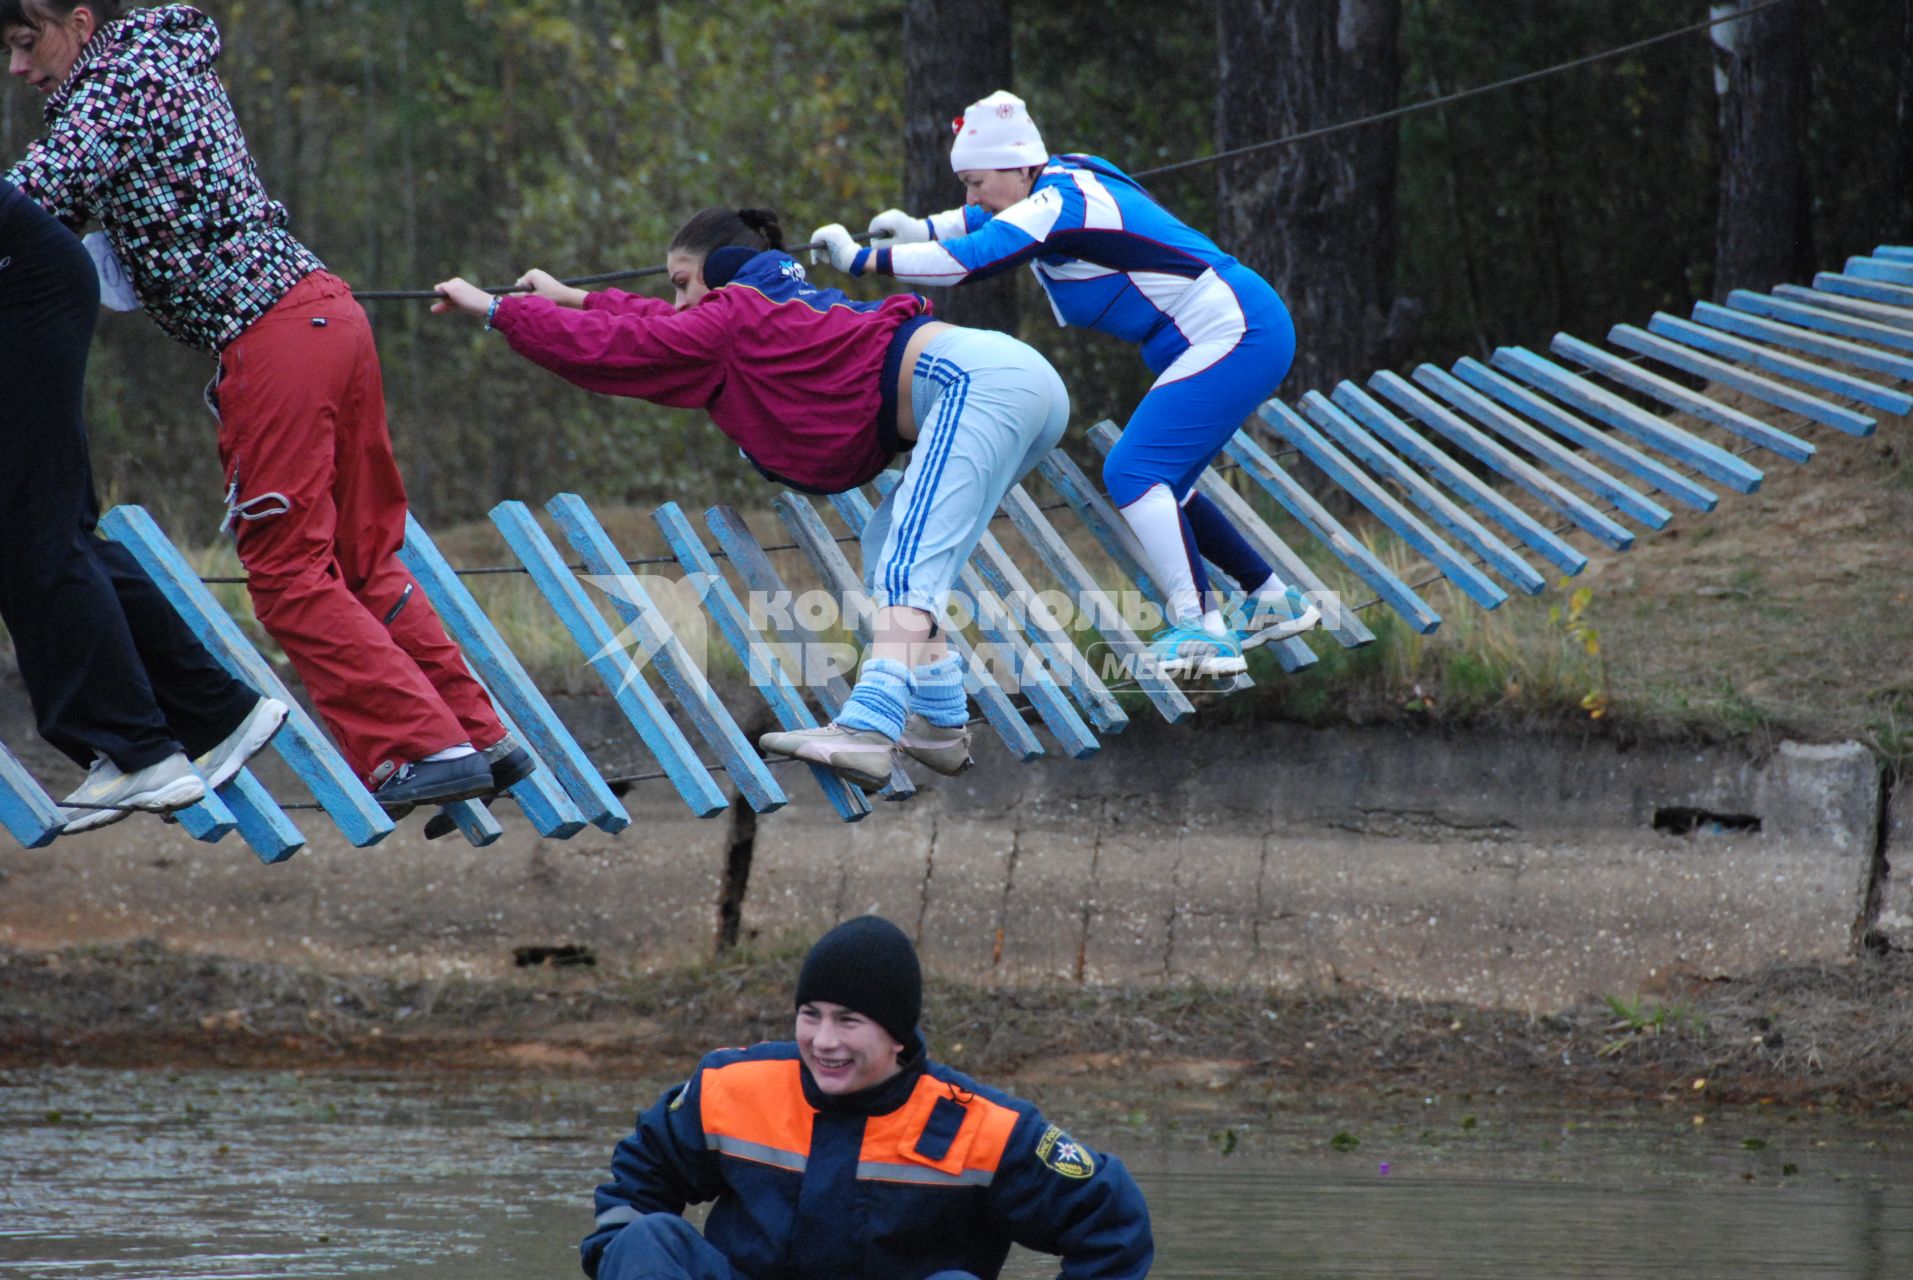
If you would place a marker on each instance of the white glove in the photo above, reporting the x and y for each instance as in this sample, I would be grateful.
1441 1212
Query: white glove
894 226
837 245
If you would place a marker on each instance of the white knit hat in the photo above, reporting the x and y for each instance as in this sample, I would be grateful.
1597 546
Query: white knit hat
996 133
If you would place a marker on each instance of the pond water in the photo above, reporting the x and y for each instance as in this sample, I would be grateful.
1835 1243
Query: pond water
227 1175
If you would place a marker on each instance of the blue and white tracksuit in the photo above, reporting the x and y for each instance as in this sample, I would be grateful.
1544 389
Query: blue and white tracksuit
1110 258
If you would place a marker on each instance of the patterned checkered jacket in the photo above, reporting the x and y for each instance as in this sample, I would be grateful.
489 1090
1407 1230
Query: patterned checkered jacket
142 137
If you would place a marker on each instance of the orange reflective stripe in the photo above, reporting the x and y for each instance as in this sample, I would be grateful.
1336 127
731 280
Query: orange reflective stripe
756 1110
974 1153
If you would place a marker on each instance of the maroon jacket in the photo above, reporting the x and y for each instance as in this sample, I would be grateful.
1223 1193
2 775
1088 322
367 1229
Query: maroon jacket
803 379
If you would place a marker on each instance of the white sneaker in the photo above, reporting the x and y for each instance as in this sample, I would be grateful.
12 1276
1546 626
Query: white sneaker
223 763
158 788
1276 618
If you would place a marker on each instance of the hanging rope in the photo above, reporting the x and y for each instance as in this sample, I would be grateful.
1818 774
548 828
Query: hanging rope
432 295
1620 51
1442 101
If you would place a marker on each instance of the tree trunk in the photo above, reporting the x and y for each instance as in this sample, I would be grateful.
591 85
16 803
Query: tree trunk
1316 218
1902 230
1764 236
955 51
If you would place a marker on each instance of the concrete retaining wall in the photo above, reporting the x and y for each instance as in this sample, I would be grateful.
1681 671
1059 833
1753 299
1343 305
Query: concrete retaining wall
1501 869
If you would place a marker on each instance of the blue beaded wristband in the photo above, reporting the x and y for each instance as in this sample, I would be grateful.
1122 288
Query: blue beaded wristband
491 312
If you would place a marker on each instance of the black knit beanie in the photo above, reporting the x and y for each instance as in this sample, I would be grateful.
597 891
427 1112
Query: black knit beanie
869 966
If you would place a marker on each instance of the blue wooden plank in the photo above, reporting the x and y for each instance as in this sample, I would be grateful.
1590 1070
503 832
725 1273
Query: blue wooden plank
475 822
1672 394
545 802
1883 269
1380 419
633 603
1885 313
1346 432
300 743
1094 605
26 810
1894 252
1628 500
568 790
827 681
1100 516
208 821
1798 315
1846 286
1812 330
1359 484
1656 433
1656 474
1343 624
606 656
996 624
1713 327
762 666
1407 396
262 823
820 547
1678 343
1311 515
1067 661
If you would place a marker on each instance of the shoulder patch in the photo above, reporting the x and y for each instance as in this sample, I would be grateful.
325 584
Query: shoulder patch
1063 1154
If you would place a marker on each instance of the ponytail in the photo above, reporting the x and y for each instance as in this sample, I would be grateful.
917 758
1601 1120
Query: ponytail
711 229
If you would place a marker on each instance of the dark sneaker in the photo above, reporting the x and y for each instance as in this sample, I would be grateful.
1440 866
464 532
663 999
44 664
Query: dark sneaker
510 763
223 763
932 745
862 756
434 782
108 795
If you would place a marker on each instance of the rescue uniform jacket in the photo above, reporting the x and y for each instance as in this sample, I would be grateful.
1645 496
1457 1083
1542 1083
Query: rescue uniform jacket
142 137
802 379
926 1172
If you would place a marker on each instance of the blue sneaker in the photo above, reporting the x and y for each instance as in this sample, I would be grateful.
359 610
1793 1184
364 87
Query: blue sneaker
1268 619
1191 651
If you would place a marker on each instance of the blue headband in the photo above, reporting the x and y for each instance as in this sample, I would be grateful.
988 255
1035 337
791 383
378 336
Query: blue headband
722 265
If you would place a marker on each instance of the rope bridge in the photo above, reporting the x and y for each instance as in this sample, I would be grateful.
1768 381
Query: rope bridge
1569 447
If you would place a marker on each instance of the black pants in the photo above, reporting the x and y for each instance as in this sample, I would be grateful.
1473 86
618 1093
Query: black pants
110 667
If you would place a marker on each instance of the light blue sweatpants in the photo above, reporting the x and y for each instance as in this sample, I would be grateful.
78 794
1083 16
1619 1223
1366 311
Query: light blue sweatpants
988 407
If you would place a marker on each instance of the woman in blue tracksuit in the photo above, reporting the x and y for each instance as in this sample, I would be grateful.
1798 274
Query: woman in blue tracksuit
1111 258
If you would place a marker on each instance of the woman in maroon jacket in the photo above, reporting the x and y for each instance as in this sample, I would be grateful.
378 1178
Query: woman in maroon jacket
141 136
820 392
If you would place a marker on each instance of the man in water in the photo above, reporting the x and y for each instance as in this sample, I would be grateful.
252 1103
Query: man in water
847 1152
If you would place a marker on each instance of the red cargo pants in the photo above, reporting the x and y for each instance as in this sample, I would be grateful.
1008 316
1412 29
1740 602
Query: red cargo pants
318 511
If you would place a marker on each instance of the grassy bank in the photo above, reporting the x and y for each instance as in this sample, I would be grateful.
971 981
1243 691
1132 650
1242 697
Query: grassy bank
1823 1036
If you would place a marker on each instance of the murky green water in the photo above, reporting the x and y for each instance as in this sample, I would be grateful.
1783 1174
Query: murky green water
131 1176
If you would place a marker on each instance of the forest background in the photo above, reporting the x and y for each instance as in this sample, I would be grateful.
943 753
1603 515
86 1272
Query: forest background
417 139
